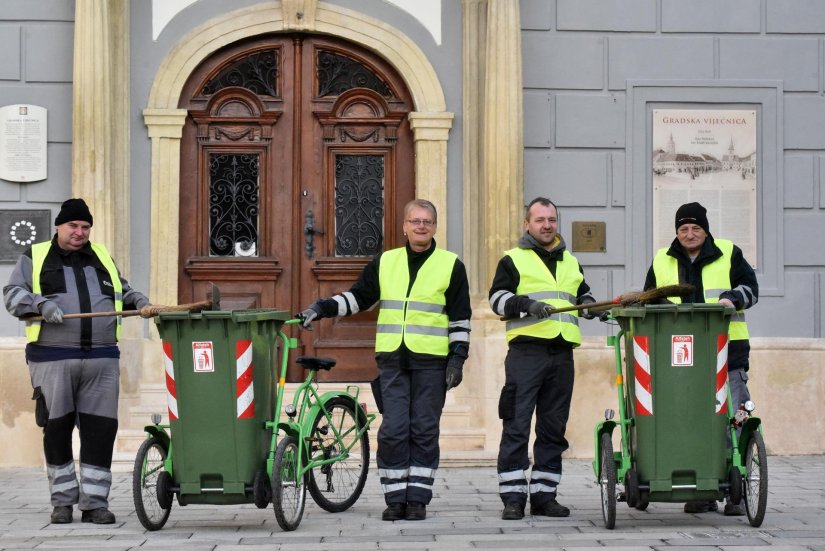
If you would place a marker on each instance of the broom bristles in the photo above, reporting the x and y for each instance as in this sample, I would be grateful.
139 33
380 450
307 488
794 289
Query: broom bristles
650 295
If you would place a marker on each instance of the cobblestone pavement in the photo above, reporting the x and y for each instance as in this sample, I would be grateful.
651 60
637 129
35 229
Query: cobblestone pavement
465 514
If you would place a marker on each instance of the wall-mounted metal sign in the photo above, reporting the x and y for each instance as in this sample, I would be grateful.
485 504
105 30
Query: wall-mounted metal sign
589 237
23 143
20 229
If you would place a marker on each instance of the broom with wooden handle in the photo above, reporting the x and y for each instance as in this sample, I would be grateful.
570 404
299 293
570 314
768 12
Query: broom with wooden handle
146 311
627 299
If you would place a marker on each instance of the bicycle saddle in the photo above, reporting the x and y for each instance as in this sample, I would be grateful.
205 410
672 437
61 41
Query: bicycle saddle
316 362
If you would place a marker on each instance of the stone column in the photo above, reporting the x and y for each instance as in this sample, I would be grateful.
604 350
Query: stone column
100 110
165 130
503 188
474 18
430 131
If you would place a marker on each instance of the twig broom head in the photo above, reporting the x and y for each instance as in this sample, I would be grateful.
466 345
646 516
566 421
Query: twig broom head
657 293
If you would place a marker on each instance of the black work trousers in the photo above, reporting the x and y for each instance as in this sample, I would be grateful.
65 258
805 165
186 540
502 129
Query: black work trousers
538 377
408 451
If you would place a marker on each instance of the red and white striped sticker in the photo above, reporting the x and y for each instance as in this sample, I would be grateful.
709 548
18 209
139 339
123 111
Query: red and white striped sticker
171 390
722 374
245 391
641 370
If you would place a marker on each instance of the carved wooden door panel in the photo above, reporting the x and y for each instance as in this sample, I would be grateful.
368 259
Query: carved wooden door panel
296 163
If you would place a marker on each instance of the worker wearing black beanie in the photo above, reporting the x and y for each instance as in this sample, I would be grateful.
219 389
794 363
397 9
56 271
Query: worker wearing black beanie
74 209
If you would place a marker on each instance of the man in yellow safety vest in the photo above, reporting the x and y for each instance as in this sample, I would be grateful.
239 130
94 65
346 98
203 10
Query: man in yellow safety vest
718 271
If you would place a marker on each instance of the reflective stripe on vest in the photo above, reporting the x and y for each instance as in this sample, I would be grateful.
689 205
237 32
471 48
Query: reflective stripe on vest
39 253
715 281
420 318
536 281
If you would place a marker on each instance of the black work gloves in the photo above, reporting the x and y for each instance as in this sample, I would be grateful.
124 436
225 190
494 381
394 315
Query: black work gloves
539 310
311 313
455 369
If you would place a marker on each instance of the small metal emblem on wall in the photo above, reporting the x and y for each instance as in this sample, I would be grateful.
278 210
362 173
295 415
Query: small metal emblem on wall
21 229
589 237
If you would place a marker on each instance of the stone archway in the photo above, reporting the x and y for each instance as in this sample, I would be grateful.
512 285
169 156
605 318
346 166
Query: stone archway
164 120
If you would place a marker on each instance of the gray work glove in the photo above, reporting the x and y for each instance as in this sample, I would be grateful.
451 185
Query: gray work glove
51 312
539 310
311 313
455 371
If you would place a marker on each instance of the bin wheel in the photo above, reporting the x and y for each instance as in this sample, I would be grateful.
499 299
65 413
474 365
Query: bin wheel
631 487
336 486
146 481
288 488
735 480
607 481
642 505
165 490
261 490
756 479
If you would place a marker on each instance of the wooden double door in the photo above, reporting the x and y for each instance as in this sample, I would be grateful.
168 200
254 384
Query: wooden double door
296 162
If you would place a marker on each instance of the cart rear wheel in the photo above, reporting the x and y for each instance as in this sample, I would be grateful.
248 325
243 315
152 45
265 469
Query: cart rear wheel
288 488
607 481
735 480
337 485
152 509
756 479
631 487
261 490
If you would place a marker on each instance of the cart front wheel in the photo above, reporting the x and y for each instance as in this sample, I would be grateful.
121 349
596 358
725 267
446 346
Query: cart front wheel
288 488
152 508
756 479
336 486
261 490
607 481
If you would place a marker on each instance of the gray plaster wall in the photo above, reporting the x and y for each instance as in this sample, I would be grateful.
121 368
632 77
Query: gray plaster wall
590 70
36 68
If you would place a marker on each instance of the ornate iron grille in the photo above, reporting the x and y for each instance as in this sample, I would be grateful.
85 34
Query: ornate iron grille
359 205
233 205
257 72
337 74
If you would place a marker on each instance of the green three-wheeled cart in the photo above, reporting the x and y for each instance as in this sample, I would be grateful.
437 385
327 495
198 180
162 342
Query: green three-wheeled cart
678 436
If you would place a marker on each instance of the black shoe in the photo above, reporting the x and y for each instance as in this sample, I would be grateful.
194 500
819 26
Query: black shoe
416 511
394 511
513 511
98 516
550 509
61 515
732 510
701 506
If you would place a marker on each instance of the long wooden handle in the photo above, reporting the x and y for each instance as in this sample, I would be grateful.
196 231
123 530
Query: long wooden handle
127 313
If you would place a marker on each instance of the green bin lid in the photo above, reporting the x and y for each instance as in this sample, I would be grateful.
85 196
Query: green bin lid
260 314
644 310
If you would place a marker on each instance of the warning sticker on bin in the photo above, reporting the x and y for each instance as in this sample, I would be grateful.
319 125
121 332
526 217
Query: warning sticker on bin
681 350
203 357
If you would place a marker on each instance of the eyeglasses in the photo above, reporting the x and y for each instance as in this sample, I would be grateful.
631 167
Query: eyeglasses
420 222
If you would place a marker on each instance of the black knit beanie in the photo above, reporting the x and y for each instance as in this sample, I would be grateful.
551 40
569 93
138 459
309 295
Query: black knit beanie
692 213
74 209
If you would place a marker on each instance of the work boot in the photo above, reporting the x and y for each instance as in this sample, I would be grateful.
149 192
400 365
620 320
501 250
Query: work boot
513 511
61 515
416 511
550 509
701 506
732 510
394 511
98 516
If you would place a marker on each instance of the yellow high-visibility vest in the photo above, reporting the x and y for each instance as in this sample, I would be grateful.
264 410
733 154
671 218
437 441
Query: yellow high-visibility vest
715 281
536 281
39 253
420 318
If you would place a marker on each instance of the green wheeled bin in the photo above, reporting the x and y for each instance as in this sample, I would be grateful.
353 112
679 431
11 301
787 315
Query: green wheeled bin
220 390
676 378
